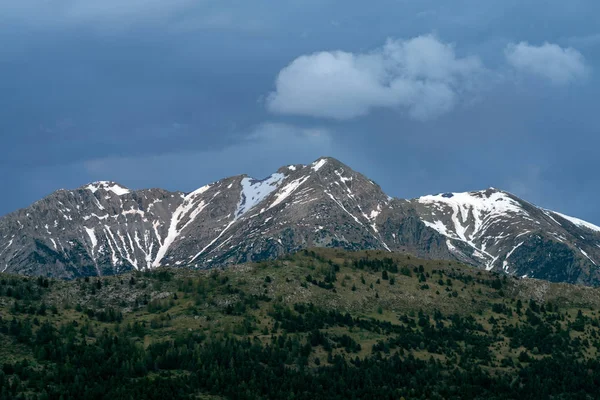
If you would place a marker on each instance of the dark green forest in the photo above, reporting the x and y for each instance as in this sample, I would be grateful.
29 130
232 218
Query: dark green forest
320 324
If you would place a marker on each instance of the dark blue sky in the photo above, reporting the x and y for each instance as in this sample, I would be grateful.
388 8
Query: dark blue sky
423 97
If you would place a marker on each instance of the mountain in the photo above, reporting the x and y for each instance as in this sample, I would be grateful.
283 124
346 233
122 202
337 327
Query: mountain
497 230
104 228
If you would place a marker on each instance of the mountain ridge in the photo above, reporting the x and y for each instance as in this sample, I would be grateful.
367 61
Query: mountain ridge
105 228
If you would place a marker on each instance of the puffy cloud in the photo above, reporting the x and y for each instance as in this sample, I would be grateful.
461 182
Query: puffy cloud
550 61
422 76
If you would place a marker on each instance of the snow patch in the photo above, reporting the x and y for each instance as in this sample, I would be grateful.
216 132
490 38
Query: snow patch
286 191
148 253
93 239
451 247
108 186
133 211
513 250
439 227
197 192
124 251
375 213
10 242
255 191
188 208
505 262
86 217
547 212
579 222
588 257
342 178
317 165
114 258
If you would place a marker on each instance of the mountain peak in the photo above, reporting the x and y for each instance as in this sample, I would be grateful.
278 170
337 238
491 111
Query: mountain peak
481 194
290 168
481 202
332 167
321 161
108 186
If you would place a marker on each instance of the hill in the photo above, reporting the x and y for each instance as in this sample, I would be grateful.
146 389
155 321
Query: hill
317 324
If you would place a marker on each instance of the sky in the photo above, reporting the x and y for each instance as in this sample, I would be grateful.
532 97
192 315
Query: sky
421 96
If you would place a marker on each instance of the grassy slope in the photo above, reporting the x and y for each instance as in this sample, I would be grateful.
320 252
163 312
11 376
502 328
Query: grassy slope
240 301
288 285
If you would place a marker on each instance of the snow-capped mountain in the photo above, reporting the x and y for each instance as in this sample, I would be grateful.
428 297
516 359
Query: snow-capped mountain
497 230
104 228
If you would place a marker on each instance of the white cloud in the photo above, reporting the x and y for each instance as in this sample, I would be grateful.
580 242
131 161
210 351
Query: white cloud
549 61
422 76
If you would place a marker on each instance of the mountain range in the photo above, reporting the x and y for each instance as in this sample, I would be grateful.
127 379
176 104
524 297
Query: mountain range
104 228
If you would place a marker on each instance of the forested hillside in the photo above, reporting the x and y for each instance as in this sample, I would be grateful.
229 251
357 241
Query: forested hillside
323 324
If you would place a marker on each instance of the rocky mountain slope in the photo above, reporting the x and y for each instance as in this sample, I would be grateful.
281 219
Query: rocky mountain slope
499 231
104 228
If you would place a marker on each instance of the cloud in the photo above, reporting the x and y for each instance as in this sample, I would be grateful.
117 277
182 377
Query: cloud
550 61
422 76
